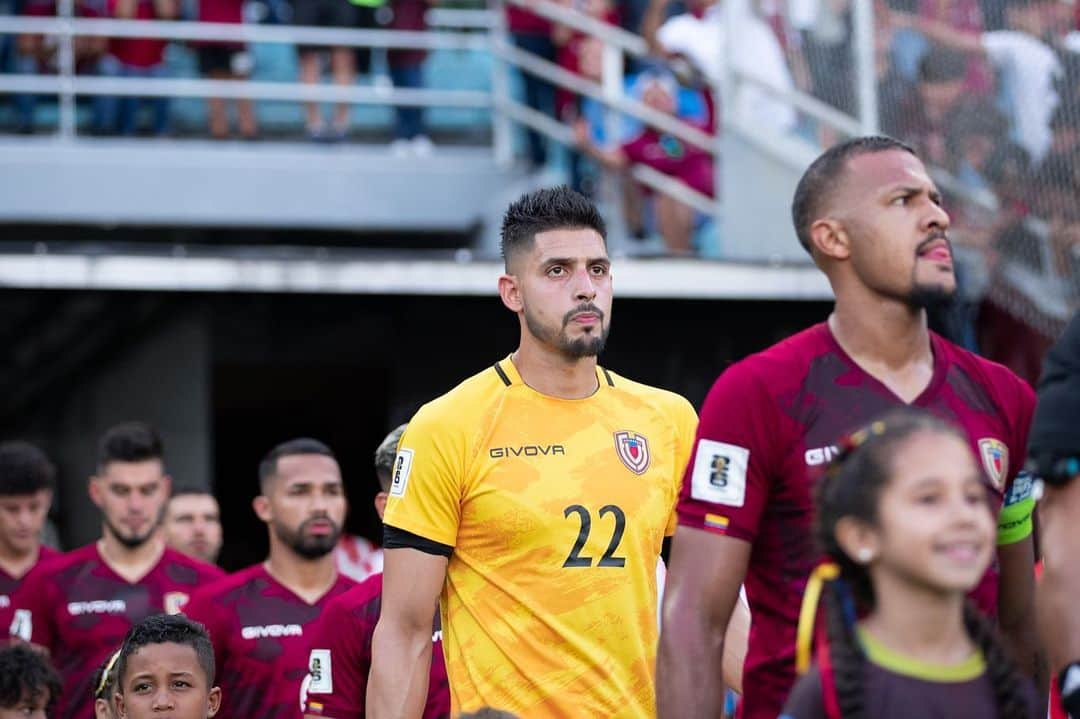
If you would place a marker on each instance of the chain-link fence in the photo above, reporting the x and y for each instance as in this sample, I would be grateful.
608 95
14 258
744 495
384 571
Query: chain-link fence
988 93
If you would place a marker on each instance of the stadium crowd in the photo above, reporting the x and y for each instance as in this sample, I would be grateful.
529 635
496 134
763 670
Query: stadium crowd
540 515
987 90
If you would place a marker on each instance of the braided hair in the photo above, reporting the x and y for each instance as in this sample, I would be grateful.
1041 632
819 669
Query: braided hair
852 487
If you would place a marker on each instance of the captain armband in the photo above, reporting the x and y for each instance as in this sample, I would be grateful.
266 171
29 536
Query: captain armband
1015 520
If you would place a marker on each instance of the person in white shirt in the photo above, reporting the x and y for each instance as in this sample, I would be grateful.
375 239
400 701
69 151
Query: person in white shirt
698 37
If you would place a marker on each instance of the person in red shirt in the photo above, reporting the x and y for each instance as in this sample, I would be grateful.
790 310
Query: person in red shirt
261 618
870 216
665 153
340 658
226 61
134 57
27 481
78 606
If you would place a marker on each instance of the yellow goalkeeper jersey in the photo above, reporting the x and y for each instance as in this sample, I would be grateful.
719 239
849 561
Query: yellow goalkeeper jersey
555 511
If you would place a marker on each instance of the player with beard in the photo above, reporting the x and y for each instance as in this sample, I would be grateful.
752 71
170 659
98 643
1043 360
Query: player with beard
80 605
260 618
871 218
534 498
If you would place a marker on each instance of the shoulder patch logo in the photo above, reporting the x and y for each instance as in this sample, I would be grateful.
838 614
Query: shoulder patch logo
402 467
719 474
633 450
321 672
175 601
995 458
22 625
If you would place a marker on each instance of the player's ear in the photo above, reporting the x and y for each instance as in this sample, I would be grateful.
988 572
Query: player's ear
95 488
118 702
828 239
261 505
510 293
213 702
380 503
859 540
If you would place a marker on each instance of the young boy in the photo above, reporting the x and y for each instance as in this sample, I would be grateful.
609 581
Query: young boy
166 664
29 685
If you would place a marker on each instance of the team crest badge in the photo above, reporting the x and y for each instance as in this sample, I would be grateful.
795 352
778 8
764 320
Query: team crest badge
633 450
174 602
995 458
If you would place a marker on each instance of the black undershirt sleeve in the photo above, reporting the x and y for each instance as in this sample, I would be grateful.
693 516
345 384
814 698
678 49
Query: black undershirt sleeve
394 538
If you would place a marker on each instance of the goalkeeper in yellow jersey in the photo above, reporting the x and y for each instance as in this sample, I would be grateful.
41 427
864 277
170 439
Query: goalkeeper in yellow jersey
533 500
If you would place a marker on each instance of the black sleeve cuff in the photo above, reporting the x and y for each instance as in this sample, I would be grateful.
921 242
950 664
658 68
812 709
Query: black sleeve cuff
394 538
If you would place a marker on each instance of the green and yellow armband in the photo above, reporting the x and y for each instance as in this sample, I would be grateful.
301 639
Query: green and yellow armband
1014 521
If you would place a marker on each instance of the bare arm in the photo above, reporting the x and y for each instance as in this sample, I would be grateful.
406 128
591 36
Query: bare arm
650 25
735 642
1059 621
699 598
166 9
614 159
941 33
401 646
1016 610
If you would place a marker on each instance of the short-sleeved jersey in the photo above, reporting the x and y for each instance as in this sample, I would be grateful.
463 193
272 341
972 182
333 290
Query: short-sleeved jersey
9 584
340 658
76 606
898 687
261 632
769 426
555 511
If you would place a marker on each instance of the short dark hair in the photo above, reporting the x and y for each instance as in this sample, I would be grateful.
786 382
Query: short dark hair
24 469
821 178
189 490
301 445
549 208
130 442
385 454
167 629
27 674
942 64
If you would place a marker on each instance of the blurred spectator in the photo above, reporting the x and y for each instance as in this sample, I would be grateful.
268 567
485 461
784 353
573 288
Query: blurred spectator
336 14
973 129
226 61
1026 67
675 221
192 524
825 27
698 37
407 71
1065 126
38 54
134 57
532 33
925 114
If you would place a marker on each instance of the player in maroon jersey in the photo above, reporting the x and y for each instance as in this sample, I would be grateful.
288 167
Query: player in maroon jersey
79 605
260 618
870 217
340 658
27 480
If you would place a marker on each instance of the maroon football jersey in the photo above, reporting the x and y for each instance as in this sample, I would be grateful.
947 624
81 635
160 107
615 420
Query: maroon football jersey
8 585
340 658
79 609
768 427
261 632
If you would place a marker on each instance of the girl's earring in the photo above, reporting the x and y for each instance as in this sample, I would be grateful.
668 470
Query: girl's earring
864 555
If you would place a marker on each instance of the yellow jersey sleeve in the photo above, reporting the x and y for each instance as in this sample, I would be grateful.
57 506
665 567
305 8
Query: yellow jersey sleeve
428 478
685 421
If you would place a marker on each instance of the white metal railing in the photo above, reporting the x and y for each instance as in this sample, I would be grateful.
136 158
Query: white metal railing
618 44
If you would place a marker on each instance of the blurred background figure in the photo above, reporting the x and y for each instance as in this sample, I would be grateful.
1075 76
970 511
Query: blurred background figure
192 524
333 14
29 686
357 557
226 61
138 58
27 481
